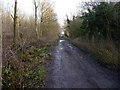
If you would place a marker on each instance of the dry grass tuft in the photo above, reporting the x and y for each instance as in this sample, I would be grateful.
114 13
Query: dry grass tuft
105 50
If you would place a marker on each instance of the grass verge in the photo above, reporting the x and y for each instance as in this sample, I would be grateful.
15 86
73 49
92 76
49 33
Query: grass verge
103 50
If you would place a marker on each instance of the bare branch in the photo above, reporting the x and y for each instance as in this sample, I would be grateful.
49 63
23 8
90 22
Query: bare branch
12 16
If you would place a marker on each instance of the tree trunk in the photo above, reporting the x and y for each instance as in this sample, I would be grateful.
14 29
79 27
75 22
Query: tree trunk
37 33
15 22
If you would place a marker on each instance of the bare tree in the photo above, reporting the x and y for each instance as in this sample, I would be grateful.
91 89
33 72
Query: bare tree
36 9
15 22
44 11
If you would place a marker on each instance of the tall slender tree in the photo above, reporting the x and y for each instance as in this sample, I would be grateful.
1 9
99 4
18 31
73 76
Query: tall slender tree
15 22
36 17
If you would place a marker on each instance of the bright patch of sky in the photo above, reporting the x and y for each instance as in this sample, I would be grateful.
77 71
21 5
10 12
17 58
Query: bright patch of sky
65 7
24 6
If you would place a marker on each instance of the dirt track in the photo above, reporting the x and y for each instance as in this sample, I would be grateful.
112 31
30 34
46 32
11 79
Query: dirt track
72 68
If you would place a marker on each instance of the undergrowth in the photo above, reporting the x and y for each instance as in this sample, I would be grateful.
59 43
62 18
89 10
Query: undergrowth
28 69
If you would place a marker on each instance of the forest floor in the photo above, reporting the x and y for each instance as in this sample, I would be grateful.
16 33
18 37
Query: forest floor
70 67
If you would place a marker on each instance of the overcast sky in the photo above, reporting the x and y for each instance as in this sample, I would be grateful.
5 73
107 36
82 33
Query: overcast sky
61 7
65 7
